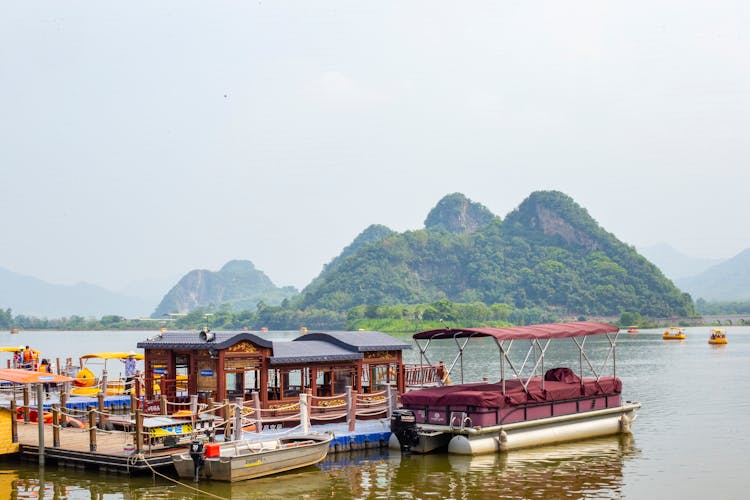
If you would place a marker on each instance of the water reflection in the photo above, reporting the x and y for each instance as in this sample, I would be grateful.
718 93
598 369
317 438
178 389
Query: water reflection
591 469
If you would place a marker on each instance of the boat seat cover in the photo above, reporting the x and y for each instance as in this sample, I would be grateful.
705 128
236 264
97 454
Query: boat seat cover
492 396
562 374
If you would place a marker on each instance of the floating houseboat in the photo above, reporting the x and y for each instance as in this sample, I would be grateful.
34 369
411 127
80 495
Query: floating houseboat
527 406
226 366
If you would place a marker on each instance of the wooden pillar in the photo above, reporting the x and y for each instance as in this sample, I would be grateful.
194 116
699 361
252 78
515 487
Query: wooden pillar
351 407
163 385
138 430
304 413
100 404
310 404
92 429
258 417
63 406
13 421
163 406
238 419
104 382
56 425
40 420
26 399
389 401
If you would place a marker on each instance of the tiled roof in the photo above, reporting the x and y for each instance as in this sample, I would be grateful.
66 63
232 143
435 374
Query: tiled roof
313 351
191 340
358 341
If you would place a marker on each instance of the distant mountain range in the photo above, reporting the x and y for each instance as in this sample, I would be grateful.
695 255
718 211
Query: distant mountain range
674 264
726 281
29 296
547 253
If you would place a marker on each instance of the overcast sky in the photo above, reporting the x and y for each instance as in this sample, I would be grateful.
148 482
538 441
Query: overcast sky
147 139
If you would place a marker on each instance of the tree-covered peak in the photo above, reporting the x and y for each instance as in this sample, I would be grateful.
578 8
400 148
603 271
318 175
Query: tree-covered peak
556 215
457 214
238 267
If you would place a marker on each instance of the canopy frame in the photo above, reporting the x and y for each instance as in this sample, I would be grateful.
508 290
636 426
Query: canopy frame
539 337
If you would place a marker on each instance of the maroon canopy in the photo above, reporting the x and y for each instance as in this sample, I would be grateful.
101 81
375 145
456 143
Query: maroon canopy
545 331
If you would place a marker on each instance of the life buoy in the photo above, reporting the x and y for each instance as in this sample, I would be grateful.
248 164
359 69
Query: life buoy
74 422
34 415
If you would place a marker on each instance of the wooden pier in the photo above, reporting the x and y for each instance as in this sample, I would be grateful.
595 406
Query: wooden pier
112 452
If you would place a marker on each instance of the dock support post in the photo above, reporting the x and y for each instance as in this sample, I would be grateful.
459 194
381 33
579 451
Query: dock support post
193 415
237 434
351 407
92 429
100 404
304 413
13 422
389 401
133 402
26 399
40 420
64 405
258 418
104 383
138 430
55 425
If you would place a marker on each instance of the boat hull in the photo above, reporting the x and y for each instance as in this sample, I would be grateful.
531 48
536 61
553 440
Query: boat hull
527 434
243 460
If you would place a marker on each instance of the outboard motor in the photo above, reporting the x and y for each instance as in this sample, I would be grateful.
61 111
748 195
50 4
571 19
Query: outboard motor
196 453
404 427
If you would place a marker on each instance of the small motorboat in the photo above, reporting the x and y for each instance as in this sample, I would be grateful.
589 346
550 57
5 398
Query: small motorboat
674 333
718 336
633 329
241 460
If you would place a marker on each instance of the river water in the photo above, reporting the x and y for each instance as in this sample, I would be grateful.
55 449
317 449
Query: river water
690 439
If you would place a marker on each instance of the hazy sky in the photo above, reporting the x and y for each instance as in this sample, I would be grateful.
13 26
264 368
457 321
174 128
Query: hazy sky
143 139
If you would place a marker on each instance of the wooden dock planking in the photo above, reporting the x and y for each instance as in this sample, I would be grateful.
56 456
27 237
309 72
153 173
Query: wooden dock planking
110 451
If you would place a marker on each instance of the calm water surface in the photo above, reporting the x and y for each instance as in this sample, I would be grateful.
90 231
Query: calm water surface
690 439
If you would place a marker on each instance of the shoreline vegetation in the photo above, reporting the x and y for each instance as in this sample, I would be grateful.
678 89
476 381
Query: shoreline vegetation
385 318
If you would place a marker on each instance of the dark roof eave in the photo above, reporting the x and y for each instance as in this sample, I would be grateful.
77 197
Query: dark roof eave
313 359
198 345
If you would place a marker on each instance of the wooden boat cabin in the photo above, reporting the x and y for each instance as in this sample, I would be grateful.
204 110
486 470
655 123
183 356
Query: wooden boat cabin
230 365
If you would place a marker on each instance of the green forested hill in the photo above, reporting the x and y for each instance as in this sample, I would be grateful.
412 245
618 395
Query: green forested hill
548 253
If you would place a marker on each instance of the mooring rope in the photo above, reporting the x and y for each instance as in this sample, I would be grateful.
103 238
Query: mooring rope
197 490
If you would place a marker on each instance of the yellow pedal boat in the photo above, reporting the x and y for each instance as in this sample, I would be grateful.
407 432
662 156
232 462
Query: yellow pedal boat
718 336
674 333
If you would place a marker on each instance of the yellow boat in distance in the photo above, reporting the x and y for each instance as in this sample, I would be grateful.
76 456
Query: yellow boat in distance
36 357
718 336
674 333
86 382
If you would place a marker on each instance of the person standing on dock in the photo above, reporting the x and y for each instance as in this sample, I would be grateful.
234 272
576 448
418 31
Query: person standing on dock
130 372
27 358
45 367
